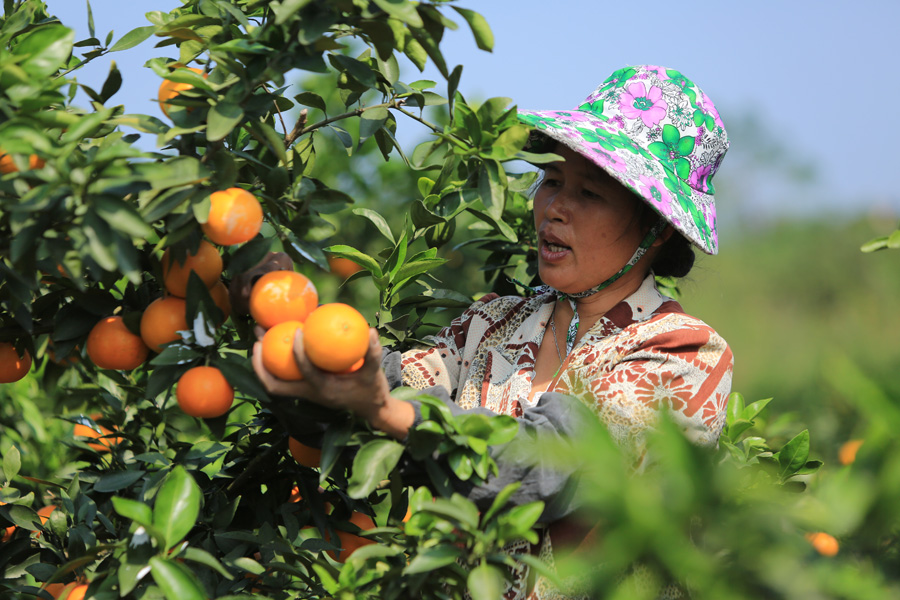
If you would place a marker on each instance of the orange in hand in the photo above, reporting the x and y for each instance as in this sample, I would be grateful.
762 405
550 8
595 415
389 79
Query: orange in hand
111 345
170 89
162 320
305 455
12 366
235 217
278 351
207 263
204 392
336 337
280 296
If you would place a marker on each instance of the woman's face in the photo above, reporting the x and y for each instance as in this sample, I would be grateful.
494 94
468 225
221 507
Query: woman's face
587 225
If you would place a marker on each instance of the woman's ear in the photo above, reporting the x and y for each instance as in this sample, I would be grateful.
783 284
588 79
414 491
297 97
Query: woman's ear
663 236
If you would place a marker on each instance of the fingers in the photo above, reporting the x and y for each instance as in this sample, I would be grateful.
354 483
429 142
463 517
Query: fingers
273 385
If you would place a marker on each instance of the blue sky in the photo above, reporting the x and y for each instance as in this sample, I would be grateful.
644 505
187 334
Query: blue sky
819 77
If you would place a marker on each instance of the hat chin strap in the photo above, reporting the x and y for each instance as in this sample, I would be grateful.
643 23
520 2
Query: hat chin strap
638 254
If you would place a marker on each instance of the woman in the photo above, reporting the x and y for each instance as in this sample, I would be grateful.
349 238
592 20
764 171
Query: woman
632 192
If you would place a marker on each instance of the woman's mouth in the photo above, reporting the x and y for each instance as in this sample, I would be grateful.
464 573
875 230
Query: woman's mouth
552 251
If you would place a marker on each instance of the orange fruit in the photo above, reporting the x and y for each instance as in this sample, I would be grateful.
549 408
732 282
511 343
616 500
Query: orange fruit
278 351
824 543
204 392
44 514
170 89
848 450
350 542
343 267
73 591
56 589
280 296
235 217
111 345
336 337
7 534
162 320
206 263
12 366
103 443
7 165
305 455
295 494
220 296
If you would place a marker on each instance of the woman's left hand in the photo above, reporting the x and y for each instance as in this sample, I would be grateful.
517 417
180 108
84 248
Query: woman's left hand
365 392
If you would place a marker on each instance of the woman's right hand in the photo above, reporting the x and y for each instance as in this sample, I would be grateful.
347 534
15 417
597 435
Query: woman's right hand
242 284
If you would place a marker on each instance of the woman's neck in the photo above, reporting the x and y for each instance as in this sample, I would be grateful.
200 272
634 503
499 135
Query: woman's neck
592 308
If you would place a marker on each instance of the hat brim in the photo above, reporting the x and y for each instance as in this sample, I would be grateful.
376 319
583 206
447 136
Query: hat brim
690 211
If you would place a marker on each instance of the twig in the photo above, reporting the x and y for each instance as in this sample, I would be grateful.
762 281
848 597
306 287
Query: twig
298 127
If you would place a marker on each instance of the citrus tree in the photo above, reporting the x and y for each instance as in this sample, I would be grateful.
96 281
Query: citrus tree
142 458
176 478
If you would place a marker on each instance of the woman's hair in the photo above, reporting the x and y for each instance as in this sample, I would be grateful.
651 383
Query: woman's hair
675 258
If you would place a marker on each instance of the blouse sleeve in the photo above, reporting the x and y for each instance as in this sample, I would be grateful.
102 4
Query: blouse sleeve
674 363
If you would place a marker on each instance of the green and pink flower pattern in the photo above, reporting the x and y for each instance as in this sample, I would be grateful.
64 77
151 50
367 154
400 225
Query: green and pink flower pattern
657 133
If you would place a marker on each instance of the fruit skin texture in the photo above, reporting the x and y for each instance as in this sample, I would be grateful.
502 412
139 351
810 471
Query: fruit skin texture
111 345
219 293
12 366
207 263
169 89
162 320
8 166
278 351
305 455
336 337
235 217
824 543
280 296
350 542
204 392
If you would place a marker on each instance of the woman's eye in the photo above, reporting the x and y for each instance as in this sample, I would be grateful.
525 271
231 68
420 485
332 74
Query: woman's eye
590 194
549 182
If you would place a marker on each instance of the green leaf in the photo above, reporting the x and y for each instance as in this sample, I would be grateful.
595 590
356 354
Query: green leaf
484 37
371 121
416 267
122 216
175 580
363 260
12 462
402 10
177 506
735 406
112 84
45 50
138 512
753 410
113 482
457 508
486 582
133 38
371 465
433 558
223 118
492 187
205 558
378 221
500 500
793 456
523 517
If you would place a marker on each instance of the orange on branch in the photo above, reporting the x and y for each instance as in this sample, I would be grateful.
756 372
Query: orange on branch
8 165
219 293
336 337
305 455
235 217
204 392
13 367
206 262
343 267
73 591
104 443
111 345
824 543
162 320
170 89
280 296
350 542
278 351
848 450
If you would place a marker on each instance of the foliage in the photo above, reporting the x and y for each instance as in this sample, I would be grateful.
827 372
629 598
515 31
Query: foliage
178 507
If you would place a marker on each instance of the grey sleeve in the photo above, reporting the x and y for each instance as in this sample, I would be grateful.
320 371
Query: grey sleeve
555 420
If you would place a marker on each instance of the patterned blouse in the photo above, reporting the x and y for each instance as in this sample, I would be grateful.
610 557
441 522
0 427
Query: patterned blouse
643 356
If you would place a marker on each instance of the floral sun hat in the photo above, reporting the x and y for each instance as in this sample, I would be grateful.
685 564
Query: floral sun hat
658 134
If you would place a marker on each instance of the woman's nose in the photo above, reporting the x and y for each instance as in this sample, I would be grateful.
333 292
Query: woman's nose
558 206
